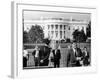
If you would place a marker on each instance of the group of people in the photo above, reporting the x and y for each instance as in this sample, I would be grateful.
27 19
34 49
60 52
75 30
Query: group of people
49 57
45 56
77 57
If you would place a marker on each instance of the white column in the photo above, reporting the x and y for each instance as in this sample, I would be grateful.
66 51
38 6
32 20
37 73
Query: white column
63 31
50 33
59 31
54 32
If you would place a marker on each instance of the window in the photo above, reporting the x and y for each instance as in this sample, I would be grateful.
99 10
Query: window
69 28
52 26
52 32
64 27
64 34
49 34
56 26
60 34
60 26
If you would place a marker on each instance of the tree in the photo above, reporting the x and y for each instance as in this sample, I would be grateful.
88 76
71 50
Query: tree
88 30
79 36
68 40
83 36
25 37
75 35
46 41
36 34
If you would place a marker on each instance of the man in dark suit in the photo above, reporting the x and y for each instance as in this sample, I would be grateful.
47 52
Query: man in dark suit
86 57
74 56
44 55
25 57
57 57
78 56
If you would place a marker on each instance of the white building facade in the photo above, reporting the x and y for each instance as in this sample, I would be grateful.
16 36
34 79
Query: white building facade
57 28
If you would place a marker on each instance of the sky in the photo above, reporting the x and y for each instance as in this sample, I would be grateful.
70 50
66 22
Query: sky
32 15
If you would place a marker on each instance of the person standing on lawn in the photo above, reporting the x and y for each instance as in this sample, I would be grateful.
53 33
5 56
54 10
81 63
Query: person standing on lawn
74 56
57 57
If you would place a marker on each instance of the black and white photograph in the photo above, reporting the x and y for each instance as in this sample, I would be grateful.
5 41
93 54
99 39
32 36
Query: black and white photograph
56 39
